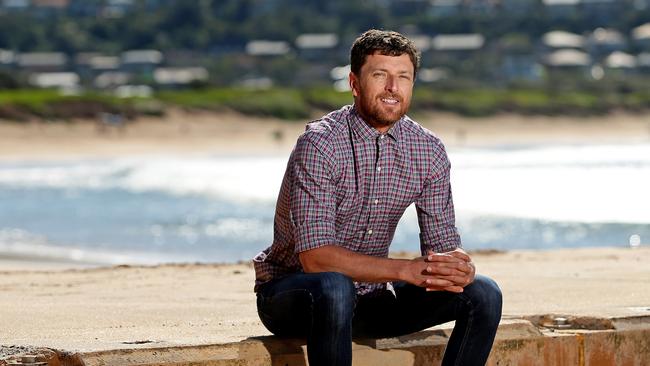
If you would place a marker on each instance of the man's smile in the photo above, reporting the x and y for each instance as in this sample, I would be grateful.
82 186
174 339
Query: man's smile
390 100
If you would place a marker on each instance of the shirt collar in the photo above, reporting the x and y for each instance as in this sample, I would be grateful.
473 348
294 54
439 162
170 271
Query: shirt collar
363 130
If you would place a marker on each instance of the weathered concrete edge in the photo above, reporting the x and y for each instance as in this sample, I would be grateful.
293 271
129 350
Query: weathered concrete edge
518 342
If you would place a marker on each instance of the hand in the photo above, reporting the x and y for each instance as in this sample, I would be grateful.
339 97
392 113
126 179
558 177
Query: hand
467 268
437 271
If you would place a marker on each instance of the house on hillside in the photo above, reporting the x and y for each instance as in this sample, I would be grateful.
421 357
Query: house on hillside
90 64
111 79
643 62
601 42
620 63
568 62
264 48
316 46
457 52
424 44
555 40
517 59
42 61
7 59
141 63
67 82
322 52
174 77
641 37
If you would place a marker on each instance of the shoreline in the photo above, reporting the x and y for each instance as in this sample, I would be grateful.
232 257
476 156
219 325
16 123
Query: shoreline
22 262
228 133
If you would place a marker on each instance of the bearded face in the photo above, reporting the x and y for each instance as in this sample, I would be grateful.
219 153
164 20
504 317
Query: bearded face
382 90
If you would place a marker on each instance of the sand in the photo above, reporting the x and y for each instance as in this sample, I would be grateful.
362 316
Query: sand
127 307
182 132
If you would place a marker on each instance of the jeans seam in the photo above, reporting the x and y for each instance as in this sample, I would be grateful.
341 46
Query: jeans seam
470 317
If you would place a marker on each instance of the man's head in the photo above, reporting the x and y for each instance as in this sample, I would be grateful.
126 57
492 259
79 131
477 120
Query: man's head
383 68
386 43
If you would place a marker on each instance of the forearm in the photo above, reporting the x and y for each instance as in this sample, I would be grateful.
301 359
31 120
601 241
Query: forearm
359 267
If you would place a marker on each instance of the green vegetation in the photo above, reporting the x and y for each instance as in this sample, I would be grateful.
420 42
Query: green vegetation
23 104
279 102
300 104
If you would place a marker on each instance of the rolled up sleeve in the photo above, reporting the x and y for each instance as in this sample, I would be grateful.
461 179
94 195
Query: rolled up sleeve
312 197
435 210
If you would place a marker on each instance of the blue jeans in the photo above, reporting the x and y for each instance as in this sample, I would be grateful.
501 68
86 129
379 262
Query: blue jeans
324 309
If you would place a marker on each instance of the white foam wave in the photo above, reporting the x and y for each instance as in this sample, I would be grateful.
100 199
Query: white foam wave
20 243
234 178
567 183
591 183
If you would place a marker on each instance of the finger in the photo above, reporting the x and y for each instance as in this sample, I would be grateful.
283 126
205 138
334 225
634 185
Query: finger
458 280
443 257
455 289
437 282
467 268
443 270
460 254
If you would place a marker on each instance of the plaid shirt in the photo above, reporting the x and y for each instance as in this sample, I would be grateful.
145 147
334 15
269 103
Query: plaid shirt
348 185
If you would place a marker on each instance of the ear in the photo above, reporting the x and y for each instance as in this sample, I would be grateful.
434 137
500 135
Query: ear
354 84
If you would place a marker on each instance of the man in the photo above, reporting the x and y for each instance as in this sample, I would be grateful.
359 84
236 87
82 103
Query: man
351 175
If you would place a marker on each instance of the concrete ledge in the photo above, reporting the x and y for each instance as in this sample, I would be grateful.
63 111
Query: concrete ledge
623 341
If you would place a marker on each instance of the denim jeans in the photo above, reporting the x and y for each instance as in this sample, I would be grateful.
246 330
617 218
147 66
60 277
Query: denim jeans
324 309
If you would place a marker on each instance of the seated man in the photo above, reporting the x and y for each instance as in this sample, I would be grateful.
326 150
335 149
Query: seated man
351 175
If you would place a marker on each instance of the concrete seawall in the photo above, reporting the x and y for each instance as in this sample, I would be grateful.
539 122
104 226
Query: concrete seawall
543 340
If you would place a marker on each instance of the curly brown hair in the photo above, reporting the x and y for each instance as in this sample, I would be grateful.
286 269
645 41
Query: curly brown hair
387 43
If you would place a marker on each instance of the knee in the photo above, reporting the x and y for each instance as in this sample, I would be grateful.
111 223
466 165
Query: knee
336 293
336 287
486 298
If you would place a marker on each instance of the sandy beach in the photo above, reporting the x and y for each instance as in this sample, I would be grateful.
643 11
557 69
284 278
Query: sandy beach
82 307
132 306
200 132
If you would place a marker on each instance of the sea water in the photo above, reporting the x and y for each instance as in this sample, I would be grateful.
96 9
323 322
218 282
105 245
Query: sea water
166 208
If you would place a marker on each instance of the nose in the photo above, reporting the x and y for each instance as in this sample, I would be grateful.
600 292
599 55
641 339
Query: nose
391 84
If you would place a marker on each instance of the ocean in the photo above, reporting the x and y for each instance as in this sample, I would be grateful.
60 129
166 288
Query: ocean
165 208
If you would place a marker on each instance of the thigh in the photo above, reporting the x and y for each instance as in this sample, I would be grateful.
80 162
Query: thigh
411 309
286 305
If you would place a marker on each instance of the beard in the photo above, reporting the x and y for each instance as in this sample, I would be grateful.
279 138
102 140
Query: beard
377 113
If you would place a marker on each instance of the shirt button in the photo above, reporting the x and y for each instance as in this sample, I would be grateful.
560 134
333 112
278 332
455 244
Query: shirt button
382 136
370 232
376 202
379 169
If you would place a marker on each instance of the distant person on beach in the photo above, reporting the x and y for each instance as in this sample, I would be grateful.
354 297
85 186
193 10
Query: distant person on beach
352 174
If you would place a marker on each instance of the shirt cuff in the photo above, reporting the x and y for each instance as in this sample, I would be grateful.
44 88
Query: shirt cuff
440 242
313 235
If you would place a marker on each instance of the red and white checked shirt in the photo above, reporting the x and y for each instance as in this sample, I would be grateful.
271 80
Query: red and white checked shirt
348 185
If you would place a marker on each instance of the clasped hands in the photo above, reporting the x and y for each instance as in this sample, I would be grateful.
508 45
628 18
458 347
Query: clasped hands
450 271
